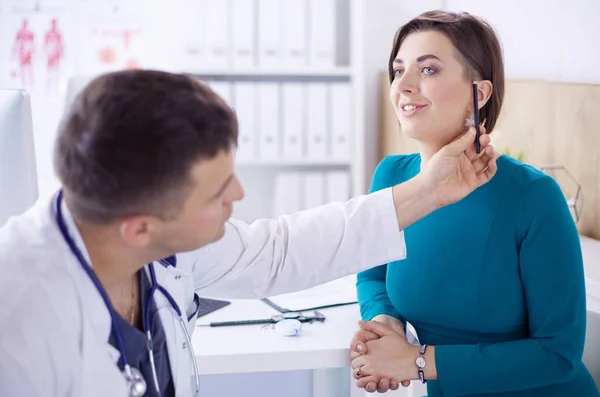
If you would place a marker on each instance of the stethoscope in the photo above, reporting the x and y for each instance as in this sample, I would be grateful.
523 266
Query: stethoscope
133 377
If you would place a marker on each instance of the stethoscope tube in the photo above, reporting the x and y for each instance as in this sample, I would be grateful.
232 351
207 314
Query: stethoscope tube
90 272
135 381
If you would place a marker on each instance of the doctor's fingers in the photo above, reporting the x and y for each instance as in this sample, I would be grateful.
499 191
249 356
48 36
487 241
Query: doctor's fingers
358 343
484 141
488 172
482 162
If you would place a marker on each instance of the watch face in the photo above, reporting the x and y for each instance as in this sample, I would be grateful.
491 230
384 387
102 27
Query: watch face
420 361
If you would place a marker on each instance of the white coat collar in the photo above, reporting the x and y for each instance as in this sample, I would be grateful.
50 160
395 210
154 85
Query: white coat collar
95 307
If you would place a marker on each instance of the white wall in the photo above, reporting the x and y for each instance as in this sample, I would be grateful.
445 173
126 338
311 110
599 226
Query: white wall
544 39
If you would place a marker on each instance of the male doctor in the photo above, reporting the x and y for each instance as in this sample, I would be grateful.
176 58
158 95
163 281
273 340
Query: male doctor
94 301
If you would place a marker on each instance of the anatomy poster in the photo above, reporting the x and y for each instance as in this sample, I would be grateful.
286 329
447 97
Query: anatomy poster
111 35
111 44
36 37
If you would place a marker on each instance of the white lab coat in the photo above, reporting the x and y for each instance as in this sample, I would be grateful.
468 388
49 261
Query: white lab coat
55 328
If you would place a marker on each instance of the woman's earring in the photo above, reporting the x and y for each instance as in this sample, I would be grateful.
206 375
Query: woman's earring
470 121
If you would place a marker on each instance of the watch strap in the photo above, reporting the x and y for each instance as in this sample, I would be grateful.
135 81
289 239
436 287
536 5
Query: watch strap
421 373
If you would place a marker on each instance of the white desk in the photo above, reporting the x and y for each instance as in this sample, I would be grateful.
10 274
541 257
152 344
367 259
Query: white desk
321 347
250 348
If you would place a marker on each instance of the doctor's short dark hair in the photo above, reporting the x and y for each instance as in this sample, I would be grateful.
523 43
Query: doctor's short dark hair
129 140
478 47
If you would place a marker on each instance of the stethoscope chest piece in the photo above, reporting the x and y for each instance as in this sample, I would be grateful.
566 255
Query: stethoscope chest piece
135 381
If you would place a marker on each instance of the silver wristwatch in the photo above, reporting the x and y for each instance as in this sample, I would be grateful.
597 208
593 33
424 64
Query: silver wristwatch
420 362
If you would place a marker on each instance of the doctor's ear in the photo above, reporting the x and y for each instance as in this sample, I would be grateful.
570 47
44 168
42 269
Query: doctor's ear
135 231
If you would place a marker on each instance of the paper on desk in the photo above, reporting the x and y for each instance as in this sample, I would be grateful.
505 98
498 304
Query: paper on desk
334 292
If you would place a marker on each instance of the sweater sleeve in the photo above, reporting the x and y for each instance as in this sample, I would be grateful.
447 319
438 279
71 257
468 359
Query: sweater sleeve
552 277
371 291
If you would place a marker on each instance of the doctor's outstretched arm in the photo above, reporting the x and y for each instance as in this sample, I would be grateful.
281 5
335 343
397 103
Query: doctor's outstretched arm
311 247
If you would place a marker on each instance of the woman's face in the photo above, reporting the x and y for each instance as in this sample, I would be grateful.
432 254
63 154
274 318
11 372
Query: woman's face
431 92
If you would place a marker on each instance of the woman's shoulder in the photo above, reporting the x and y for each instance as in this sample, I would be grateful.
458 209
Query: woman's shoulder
395 169
525 178
535 189
399 163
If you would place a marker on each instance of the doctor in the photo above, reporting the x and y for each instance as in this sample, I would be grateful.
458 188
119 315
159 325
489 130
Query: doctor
94 301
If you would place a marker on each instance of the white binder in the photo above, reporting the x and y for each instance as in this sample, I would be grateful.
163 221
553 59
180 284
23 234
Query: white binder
268 121
341 126
322 16
216 19
295 33
293 120
287 193
269 34
223 89
194 34
316 121
243 30
337 186
313 189
244 96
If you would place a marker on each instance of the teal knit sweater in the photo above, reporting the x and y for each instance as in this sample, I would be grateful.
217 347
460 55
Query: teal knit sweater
495 282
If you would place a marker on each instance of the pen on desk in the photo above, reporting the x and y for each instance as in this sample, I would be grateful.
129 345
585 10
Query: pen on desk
476 117
317 316
242 322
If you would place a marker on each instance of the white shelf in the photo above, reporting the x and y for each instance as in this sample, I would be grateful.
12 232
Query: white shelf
334 72
293 163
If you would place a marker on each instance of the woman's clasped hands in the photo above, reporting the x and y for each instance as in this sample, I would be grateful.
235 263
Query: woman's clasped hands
382 357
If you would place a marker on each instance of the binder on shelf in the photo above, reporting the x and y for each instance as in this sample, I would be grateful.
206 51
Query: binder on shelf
316 121
341 111
295 33
269 34
313 189
194 34
216 19
337 186
244 99
268 121
223 89
293 119
323 23
243 32
287 193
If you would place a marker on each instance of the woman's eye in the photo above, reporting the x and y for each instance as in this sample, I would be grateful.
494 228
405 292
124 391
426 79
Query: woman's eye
429 70
398 72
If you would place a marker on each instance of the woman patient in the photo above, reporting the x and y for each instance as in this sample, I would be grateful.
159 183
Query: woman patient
503 318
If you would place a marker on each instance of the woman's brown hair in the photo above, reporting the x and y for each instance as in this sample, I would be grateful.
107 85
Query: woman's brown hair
478 49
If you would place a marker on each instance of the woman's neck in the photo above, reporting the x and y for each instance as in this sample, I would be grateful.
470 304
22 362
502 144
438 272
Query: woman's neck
428 149
427 152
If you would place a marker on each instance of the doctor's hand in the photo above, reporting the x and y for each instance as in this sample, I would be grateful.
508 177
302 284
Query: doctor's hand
450 175
358 346
457 170
390 356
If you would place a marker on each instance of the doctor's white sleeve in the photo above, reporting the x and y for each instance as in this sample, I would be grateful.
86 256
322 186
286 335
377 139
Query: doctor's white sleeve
299 251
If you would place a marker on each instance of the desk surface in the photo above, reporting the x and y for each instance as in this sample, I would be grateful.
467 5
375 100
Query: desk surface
250 348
